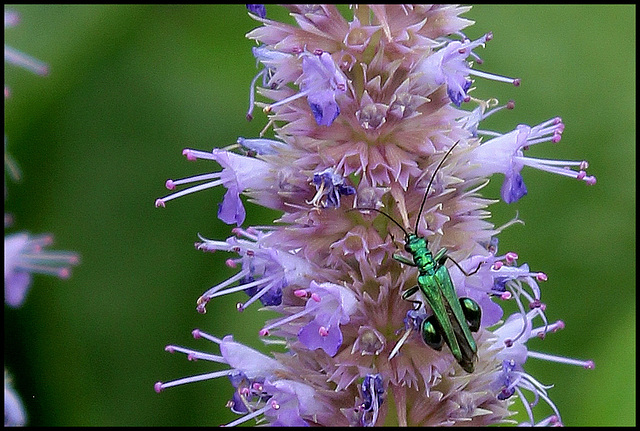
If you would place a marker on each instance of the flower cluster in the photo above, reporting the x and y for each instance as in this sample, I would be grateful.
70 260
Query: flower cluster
370 145
25 254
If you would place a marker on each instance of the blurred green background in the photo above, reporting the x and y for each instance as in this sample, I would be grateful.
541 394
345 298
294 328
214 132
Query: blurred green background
131 86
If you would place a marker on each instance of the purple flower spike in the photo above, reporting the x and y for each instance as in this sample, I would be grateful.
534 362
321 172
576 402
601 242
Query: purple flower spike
365 145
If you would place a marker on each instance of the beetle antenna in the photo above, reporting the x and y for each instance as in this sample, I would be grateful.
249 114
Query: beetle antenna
426 192
383 213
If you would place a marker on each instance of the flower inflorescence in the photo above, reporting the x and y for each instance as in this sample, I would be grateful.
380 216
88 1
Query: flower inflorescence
363 111
25 254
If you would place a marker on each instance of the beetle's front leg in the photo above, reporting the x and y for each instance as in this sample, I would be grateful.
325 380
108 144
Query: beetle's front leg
467 274
403 259
442 256
409 293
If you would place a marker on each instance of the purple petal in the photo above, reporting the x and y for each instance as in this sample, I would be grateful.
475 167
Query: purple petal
513 187
324 107
231 210
491 312
310 336
257 9
238 174
16 286
294 400
14 414
322 81
251 362
458 92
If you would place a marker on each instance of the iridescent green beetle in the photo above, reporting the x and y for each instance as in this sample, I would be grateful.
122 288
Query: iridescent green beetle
453 319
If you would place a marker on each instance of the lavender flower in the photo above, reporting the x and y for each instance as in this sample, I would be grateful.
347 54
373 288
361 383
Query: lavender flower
239 173
363 111
24 254
19 58
504 154
14 414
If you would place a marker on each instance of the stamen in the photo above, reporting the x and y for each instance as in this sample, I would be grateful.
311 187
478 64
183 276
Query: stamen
298 95
552 166
525 403
586 364
493 77
240 275
509 105
200 334
192 155
193 355
400 342
258 295
526 322
261 145
511 257
302 293
554 327
248 416
252 90
536 303
212 245
201 305
46 270
35 259
249 233
242 286
161 202
318 196
265 330
21 59
159 386
171 184
538 389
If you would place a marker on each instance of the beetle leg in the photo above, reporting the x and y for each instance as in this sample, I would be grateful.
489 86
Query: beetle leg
403 259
